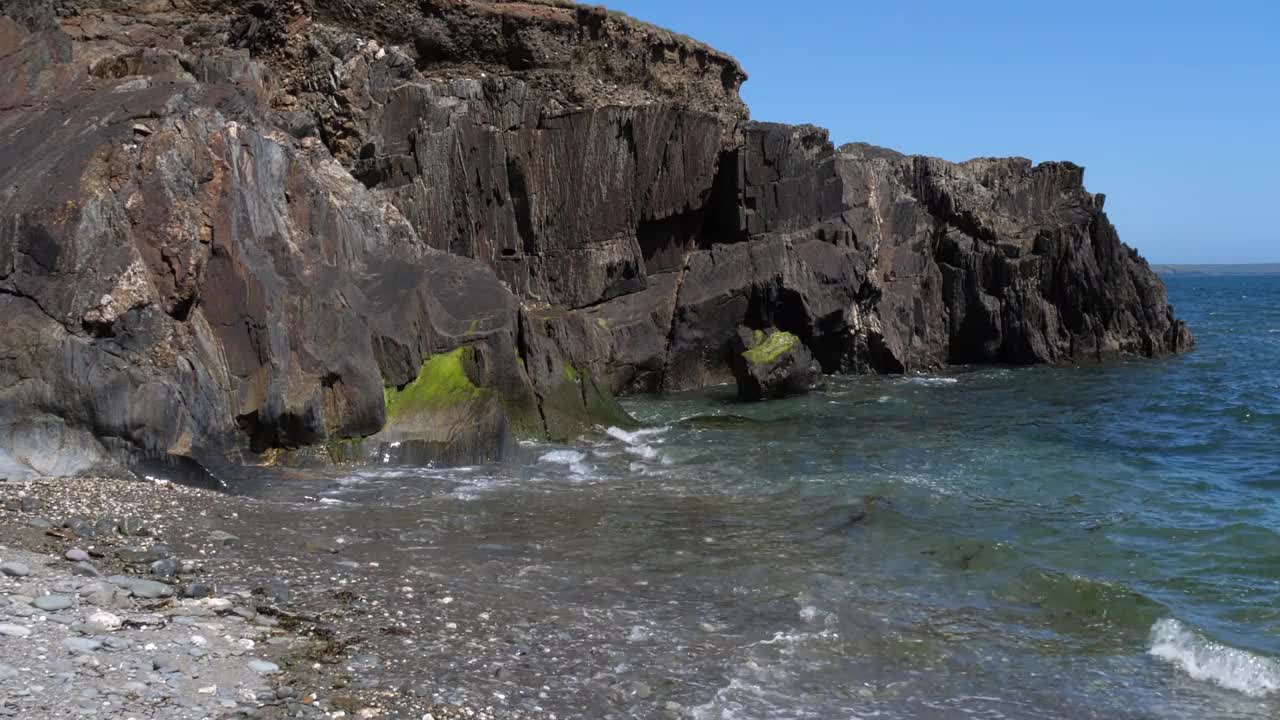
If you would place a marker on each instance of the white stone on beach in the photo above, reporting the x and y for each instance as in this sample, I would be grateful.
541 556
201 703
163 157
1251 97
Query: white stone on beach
11 630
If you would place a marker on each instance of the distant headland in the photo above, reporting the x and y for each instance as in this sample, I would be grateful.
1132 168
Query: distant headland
1218 269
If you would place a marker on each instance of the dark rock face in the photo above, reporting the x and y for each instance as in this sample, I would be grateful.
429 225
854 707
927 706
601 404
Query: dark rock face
569 210
997 260
179 278
771 364
233 228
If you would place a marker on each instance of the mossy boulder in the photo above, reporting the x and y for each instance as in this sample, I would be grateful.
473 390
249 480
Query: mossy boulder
771 364
575 404
444 415
572 401
472 404
767 348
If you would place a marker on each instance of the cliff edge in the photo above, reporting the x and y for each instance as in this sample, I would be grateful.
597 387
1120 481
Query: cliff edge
242 230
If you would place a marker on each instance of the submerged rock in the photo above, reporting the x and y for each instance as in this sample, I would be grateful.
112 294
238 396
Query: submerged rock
197 590
166 568
323 546
149 589
224 539
717 422
14 631
54 603
15 569
134 527
264 667
772 364
81 645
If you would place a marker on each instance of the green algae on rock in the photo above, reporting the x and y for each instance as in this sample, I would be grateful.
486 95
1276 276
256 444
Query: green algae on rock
577 404
767 349
442 382
771 364
444 416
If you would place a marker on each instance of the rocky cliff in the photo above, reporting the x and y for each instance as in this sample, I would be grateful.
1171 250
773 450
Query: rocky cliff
233 228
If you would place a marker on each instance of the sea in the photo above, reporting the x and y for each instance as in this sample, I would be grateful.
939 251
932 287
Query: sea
1099 541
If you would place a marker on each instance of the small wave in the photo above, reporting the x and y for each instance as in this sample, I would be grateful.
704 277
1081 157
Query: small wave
716 422
375 473
930 380
574 460
1205 660
635 445
475 488
563 457
1082 606
809 613
633 437
645 452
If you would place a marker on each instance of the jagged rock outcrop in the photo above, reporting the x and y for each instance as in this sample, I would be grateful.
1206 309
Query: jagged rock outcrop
1000 261
416 232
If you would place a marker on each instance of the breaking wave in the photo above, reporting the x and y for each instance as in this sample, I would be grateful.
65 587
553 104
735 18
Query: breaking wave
634 442
1205 660
930 380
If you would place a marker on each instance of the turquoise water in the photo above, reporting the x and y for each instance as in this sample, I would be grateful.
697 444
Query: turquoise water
1098 542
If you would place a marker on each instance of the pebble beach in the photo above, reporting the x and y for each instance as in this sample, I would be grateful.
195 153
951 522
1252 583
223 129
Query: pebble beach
113 604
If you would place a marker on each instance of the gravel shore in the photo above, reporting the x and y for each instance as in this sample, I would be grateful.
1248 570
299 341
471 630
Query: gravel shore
124 599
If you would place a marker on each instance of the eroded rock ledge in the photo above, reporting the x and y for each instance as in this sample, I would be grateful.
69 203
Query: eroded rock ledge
232 228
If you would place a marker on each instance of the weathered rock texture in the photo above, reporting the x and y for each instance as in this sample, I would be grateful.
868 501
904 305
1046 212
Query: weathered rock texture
999 261
234 227
771 364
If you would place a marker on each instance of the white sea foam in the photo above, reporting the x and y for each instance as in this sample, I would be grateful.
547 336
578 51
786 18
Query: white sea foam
574 460
563 457
635 445
647 452
633 437
1206 660
478 486
929 482
381 473
930 380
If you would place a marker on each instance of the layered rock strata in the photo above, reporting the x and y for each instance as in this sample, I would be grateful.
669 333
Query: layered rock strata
230 229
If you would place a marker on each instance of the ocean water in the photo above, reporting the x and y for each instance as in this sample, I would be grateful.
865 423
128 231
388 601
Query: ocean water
1093 542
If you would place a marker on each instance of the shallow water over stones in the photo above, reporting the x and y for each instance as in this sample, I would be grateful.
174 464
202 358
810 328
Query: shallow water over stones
1078 543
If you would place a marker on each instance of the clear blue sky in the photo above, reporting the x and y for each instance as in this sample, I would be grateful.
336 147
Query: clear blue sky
1172 107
